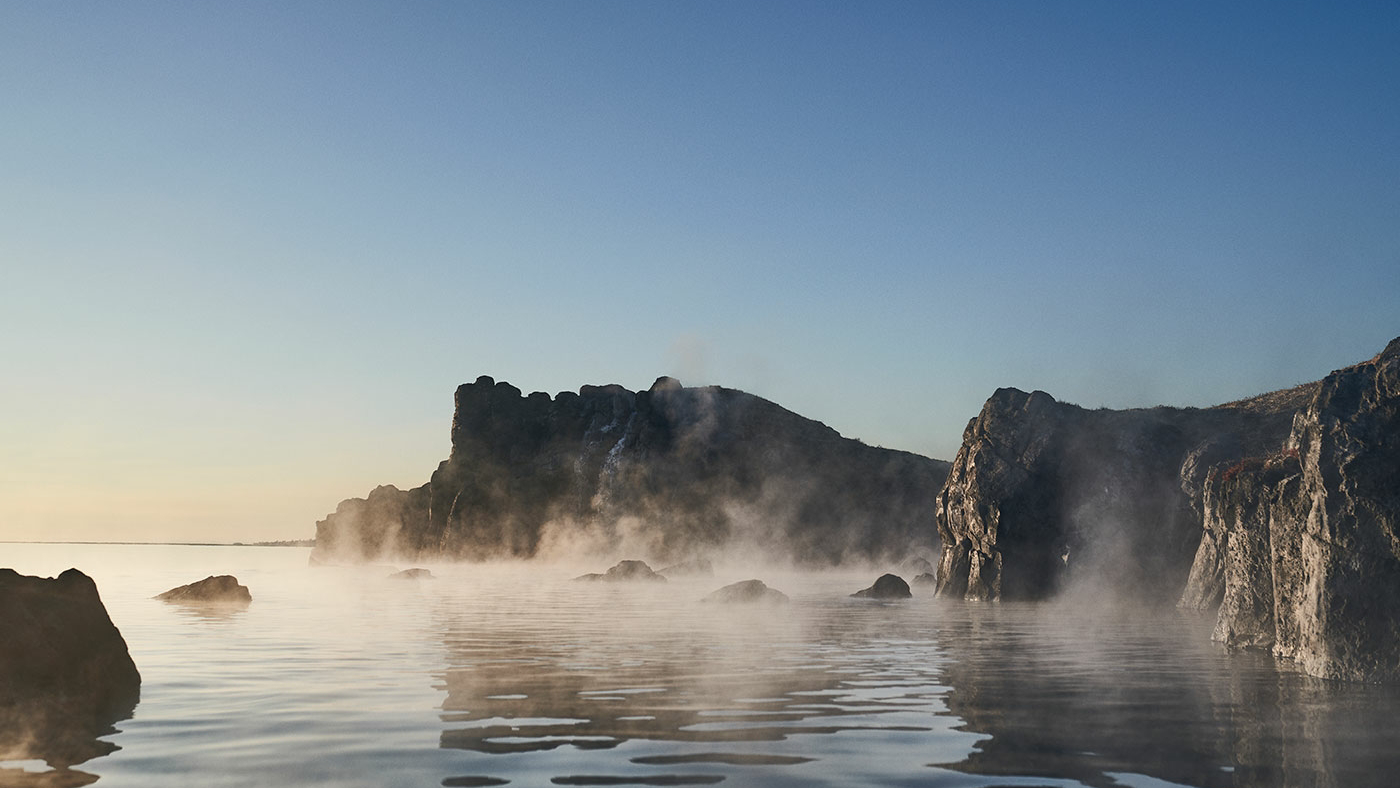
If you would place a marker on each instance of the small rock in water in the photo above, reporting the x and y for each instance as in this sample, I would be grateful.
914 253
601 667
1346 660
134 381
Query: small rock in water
887 587
413 574
625 570
220 588
917 565
926 579
748 592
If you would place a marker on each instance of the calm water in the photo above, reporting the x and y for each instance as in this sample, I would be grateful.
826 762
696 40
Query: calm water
514 675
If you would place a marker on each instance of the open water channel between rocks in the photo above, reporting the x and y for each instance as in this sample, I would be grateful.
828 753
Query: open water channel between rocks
514 675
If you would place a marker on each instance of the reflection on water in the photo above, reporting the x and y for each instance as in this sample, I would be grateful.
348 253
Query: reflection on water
516 676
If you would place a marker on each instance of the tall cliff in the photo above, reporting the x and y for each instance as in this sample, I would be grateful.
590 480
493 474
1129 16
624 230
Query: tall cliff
665 473
1302 548
1281 513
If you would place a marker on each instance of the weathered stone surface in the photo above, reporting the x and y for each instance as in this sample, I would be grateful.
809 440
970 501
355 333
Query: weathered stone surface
215 588
667 473
65 672
412 574
885 587
1044 496
748 592
626 571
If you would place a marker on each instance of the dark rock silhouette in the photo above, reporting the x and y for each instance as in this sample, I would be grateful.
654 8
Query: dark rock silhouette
671 472
885 587
1302 548
696 567
65 672
626 571
412 574
215 588
747 592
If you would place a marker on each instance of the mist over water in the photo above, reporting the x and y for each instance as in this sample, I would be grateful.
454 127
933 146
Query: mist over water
511 673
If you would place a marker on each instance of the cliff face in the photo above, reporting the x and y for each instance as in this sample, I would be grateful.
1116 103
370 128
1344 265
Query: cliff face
663 473
1304 546
1045 496
1282 512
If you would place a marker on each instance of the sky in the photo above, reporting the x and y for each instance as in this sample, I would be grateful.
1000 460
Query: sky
248 250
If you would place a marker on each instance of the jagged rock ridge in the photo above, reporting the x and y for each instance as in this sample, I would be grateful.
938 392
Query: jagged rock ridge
669 473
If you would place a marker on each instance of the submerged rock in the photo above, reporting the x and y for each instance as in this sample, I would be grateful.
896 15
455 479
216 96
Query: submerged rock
697 567
412 574
625 571
886 587
216 588
65 672
747 592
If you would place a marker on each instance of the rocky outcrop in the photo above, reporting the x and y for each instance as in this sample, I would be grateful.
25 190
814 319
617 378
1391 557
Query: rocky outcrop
1281 512
1046 496
885 587
1302 549
747 592
215 588
669 472
625 571
65 672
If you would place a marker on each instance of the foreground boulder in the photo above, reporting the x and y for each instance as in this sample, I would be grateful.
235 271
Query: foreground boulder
220 588
886 587
1302 548
65 672
625 571
747 592
670 471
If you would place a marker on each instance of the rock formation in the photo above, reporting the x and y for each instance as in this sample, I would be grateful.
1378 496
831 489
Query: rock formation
1044 495
412 574
885 587
65 672
220 588
747 592
668 473
1282 511
1302 548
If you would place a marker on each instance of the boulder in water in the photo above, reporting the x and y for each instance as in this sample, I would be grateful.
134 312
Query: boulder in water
886 587
65 672
412 574
748 592
216 588
625 570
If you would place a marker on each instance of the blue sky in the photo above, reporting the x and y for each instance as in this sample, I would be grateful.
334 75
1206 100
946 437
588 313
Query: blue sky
249 250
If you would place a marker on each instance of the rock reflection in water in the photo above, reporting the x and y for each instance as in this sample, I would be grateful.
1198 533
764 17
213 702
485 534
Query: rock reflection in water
688 695
1085 699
